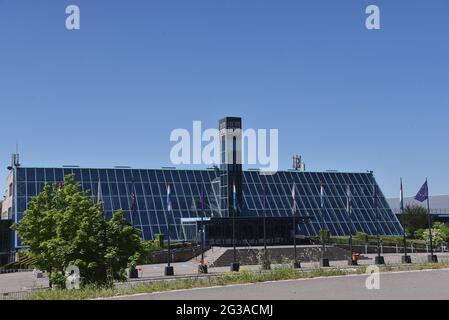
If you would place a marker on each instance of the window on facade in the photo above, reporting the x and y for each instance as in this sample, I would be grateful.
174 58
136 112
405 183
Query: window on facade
10 189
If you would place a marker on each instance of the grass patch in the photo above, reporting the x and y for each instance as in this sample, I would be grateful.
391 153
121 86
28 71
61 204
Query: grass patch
276 274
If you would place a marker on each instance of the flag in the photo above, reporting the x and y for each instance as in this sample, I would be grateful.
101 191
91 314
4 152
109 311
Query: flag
293 198
348 200
401 197
322 198
169 206
234 192
423 193
374 196
99 193
133 199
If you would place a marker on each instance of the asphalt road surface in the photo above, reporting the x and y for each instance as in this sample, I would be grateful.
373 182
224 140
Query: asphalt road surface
415 285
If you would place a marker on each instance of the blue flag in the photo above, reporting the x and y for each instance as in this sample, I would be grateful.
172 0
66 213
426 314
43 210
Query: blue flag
234 190
169 206
423 193
322 196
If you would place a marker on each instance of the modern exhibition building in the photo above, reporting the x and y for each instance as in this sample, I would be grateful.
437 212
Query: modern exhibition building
206 198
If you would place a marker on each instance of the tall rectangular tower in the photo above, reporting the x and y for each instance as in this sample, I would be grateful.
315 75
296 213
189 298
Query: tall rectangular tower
231 164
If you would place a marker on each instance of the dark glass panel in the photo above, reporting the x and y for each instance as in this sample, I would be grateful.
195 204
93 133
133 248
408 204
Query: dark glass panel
105 189
40 174
103 175
31 174
21 204
152 175
114 189
94 175
31 189
85 175
129 175
111 175
21 174
21 189
119 175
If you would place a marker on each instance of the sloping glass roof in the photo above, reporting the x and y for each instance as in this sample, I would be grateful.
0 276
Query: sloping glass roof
149 187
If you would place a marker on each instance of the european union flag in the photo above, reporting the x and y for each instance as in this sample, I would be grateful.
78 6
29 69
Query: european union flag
423 193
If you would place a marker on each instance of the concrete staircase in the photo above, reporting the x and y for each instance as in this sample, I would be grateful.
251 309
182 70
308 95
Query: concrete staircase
211 255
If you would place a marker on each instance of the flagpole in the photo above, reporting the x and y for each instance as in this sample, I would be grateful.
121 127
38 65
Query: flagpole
351 261
379 260
202 267
296 264
294 239
405 258
235 266
432 257
266 265
169 270
349 210
324 262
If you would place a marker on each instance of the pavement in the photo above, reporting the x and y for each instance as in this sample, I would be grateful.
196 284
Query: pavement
410 285
24 281
21 281
191 267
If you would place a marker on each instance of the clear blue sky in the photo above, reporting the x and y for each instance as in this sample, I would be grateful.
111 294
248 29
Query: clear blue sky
344 97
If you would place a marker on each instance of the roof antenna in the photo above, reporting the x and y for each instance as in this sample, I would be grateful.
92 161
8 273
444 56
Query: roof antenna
15 158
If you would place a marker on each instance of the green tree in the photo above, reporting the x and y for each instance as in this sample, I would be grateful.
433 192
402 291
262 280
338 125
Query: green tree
444 230
437 236
63 226
414 218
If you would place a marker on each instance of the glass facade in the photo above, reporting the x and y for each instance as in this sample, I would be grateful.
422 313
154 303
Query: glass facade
149 186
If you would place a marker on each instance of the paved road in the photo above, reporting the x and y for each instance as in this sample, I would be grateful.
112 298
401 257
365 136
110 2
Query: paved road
188 268
414 285
26 280
21 281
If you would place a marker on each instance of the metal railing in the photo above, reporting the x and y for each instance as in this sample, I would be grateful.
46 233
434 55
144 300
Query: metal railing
435 211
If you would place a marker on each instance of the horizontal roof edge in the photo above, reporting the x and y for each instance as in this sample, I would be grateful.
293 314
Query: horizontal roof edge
182 169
